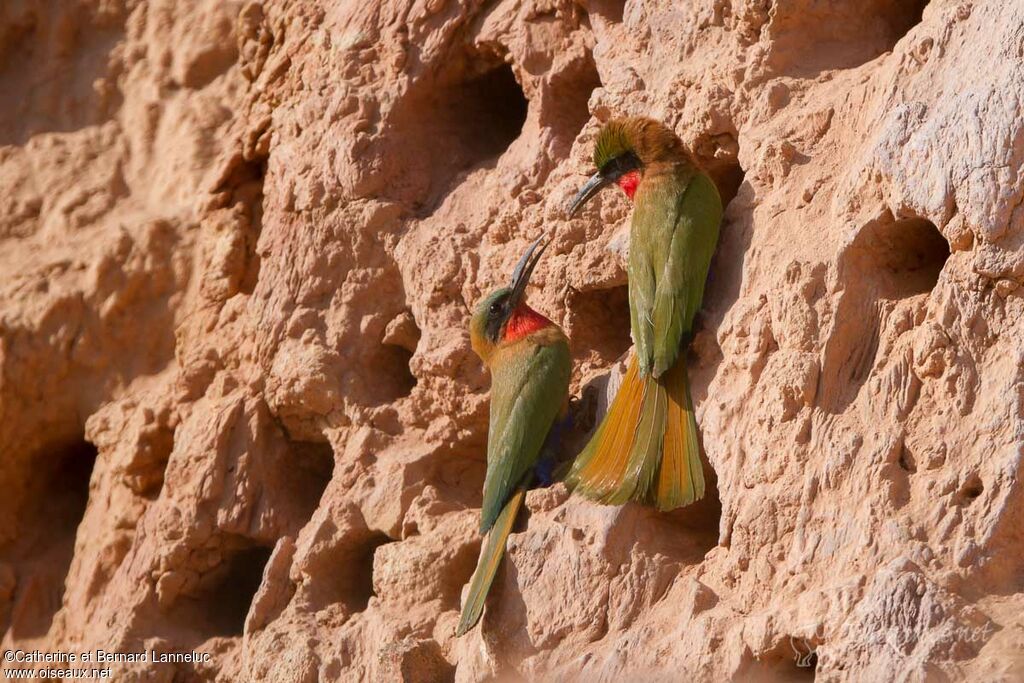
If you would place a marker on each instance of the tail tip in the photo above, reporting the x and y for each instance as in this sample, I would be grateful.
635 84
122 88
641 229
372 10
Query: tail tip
467 621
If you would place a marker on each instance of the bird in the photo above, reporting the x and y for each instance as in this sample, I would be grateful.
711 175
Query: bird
646 448
530 365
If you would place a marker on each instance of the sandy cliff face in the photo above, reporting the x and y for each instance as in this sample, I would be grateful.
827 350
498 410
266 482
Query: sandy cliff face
238 408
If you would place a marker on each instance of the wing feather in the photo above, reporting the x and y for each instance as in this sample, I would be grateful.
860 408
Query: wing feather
528 389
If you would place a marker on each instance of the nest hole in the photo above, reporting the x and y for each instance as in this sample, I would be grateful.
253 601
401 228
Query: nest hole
566 109
906 461
718 156
611 11
971 489
341 572
697 525
728 177
232 597
146 477
309 470
243 186
501 103
353 584
48 525
793 659
904 16
393 378
56 89
919 255
904 258
847 35
219 605
454 123
360 588
888 262
598 323
684 535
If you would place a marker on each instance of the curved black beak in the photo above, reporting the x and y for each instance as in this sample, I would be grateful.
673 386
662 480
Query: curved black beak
524 269
592 187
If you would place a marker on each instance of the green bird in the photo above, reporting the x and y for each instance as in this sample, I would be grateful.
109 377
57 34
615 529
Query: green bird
646 448
528 357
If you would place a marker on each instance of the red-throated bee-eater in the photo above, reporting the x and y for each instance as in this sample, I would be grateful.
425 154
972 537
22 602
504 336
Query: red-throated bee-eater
646 448
528 357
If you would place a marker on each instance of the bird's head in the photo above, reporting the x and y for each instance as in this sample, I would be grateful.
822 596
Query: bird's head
503 317
623 151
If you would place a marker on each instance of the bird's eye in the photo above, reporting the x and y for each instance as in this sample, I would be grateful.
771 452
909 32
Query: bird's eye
495 307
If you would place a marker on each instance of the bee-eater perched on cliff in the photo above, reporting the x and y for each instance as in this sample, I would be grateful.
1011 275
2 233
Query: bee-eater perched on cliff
528 357
646 448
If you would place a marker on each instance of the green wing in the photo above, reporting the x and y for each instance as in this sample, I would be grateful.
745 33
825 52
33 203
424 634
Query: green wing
491 552
673 237
528 390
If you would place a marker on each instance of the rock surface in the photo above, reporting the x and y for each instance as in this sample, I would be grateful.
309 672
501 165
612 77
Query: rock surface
238 408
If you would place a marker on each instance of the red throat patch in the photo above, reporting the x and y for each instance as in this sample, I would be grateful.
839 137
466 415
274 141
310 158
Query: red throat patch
522 322
629 182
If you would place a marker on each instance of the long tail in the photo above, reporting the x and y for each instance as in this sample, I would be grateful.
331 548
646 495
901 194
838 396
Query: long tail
646 448
491 552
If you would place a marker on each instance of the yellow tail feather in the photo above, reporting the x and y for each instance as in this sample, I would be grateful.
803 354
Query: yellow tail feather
600 469
491 552
681 479
646 448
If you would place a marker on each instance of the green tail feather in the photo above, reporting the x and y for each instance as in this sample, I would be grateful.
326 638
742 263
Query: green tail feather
645 454
696 468
491 552
647 447
682 480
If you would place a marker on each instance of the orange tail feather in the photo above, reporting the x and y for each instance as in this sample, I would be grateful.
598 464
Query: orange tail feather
681 478
622 462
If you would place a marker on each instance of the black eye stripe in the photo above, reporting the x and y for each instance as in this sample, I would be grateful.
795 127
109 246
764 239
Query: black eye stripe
495 317
620 165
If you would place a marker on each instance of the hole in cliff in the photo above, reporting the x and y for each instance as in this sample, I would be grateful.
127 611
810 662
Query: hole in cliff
451 125
598 323
887 262
847 35
917 253
145 475
307 473
902 258
697 525
55 67
240 186
684 535
728 177
566 108
611 11
353 586
232 596
904 16
392 377
971 489
805 660
792 659
56 501
247 194
906 461
340 570
504 109
220 603
718 155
